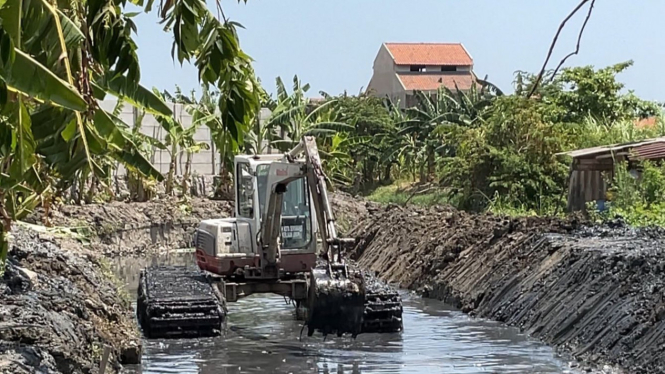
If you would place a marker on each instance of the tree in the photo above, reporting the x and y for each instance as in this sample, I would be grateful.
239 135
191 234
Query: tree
262 133
582 92
429 125
510 157
362 146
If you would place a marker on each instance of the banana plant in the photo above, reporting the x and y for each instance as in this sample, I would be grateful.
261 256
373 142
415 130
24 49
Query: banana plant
262 133
179 140
57 59
296 117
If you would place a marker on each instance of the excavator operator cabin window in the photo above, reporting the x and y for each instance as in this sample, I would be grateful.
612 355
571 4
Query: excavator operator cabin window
245 191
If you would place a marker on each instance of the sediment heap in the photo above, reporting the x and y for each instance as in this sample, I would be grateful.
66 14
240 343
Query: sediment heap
59 308
594 293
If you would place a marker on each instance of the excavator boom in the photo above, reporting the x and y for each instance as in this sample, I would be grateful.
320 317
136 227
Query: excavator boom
336 297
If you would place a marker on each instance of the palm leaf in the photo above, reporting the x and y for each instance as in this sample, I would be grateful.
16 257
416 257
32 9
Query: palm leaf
123 149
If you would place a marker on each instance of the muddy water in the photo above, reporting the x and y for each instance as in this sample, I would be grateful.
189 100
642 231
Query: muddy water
263 337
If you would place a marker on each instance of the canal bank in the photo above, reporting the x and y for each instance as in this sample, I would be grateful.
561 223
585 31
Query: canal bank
601 303
61 309
594 293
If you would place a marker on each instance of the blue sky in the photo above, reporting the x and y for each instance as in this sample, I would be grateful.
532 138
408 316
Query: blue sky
332 44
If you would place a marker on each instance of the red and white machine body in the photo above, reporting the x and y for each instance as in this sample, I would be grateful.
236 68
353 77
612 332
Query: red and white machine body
241 245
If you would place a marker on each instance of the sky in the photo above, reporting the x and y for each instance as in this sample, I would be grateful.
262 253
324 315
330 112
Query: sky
332 44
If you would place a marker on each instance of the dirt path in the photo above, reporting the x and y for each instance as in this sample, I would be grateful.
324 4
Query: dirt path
596 294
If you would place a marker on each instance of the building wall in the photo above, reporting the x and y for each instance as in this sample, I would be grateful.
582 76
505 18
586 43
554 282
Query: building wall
384 81
585 186
429 68
205 162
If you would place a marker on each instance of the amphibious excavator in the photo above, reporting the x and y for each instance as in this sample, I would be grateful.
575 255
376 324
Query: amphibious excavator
282 240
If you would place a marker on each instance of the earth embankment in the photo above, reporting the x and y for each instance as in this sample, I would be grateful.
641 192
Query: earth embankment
137 228
60 308
595 293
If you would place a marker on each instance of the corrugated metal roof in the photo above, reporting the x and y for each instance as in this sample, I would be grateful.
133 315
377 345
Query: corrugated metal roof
651 151
657 149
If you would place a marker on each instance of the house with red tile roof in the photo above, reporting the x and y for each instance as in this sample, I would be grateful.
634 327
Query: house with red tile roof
649 122
400 69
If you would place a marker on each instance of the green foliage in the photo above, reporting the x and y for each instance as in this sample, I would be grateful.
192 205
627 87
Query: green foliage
510 155
58 58
490 151
583 92
591 132
402 194
637 195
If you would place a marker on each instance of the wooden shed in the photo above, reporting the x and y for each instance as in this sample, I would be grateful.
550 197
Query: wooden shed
592 167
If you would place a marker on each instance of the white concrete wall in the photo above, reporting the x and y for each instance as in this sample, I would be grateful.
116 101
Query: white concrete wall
384 80
205 162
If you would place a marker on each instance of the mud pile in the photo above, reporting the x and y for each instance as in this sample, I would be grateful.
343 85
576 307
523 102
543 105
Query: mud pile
594 293
349 211
58 309
121 228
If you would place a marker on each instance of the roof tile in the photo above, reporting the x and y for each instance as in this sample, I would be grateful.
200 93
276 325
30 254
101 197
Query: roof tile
429 54
646 122
431 82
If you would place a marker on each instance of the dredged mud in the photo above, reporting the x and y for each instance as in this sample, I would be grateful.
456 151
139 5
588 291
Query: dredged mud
59 308
593 293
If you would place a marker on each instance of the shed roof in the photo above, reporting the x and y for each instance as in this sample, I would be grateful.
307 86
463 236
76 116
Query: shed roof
429 54
648 149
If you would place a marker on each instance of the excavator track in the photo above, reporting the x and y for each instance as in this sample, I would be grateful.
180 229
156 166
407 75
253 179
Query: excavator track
178 302
383 307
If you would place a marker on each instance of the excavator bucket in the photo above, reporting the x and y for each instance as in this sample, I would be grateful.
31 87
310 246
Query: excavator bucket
336 301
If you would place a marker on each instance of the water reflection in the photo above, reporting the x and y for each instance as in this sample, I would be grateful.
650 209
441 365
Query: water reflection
263 337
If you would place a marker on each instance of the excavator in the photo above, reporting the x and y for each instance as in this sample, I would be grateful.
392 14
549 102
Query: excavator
282 240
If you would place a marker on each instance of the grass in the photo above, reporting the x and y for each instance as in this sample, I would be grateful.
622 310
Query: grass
549 207
427 195
120 289
401 193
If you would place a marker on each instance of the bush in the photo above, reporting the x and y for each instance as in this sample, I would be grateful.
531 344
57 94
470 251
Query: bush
638 199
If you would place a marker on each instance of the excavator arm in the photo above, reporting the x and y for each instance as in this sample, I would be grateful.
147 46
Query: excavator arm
280 175
336 297
317 186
